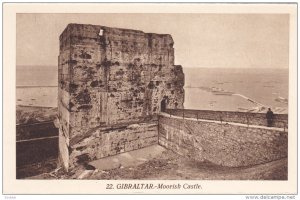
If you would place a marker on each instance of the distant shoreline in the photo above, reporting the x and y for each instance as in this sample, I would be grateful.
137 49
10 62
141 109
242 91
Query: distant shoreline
34 86
33 106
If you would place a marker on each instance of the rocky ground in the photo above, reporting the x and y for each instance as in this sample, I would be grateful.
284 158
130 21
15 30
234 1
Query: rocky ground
170 166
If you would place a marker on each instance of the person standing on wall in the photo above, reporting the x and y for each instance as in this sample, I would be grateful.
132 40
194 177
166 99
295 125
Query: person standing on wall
270 116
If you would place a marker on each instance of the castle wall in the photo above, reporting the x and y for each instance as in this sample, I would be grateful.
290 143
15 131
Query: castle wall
111 85
109 76
280 120
112 140
221 143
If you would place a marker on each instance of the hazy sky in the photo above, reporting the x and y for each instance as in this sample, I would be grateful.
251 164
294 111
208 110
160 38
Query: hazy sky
201 40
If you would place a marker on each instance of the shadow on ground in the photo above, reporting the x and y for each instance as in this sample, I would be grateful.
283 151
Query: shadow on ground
157 163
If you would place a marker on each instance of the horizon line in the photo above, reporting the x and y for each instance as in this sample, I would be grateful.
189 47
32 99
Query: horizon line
197 67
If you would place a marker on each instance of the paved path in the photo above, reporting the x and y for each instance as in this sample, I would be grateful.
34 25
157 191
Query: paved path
128 159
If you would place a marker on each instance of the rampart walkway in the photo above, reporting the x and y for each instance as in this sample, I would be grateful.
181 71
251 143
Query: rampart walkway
284 129
230 142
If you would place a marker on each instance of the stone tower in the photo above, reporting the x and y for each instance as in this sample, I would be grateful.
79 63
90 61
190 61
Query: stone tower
108 78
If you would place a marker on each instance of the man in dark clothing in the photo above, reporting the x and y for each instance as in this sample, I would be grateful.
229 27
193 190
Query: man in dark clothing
163 104
270 116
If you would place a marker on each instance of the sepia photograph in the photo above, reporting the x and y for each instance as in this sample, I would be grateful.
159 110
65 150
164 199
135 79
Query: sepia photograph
153 96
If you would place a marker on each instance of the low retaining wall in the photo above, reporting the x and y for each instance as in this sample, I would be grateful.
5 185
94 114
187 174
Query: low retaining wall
280 120
36 130
36 148
221 143
108 141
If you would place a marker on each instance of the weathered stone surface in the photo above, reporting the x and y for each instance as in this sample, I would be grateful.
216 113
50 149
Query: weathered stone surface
222 144
108 141
109 76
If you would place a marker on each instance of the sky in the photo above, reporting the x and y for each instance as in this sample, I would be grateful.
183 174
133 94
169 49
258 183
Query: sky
200 40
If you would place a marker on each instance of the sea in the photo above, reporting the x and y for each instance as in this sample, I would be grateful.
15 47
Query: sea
234 89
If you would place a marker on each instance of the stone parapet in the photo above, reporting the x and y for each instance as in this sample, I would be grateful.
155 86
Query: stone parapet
224 144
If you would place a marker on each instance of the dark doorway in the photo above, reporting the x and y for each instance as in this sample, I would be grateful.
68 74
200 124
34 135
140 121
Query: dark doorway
163 105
